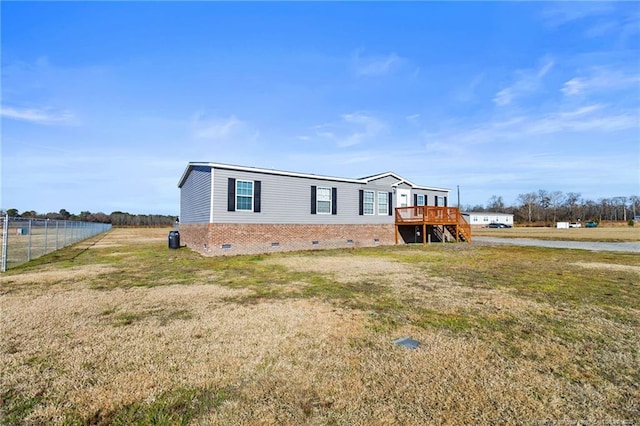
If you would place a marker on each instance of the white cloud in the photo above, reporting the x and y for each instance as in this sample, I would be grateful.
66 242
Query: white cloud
376 65
601 79
222 129
563 13
366 127
503 97
467 93
413 119
526 81
586 119
353 129
46 116
618 19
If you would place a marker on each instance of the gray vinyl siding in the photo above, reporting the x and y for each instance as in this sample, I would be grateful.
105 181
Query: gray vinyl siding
284 198
430 194
287 199
195 196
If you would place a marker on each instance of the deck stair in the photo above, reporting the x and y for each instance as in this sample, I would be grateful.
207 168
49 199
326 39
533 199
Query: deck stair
448 218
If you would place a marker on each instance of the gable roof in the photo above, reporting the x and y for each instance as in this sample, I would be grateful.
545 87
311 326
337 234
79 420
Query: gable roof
363 180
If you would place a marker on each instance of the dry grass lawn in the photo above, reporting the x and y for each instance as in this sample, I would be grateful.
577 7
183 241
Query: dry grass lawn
121 330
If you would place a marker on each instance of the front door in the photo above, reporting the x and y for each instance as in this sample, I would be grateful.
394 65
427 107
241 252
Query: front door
403 196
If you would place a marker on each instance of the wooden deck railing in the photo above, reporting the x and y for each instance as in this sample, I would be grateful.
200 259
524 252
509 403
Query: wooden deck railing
428 214
431 215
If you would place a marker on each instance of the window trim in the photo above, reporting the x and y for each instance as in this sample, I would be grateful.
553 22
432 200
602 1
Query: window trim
250 209
364 203
384 205
418 200
318 188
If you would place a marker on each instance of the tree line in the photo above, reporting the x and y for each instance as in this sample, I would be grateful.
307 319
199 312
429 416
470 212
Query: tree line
116 218
551 206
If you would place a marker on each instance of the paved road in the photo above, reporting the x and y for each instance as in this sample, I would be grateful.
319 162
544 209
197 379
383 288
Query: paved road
582 245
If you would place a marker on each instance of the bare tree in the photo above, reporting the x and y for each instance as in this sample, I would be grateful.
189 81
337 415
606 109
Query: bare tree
544 201
635 205
571 203
495 204
528 201
555 200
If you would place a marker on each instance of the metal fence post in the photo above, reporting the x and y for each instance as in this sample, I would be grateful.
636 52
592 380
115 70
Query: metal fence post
5 239
57 234
46 222
29 242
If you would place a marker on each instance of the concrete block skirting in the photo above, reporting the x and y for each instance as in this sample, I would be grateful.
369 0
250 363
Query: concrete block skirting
219 239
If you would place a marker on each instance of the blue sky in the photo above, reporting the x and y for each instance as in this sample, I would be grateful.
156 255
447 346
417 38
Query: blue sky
103 104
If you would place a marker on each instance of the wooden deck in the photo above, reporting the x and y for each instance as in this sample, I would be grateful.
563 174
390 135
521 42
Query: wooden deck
448 218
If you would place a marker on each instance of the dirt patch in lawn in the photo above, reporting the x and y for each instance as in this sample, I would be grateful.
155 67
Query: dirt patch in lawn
609 266
56 275
345 268
126 236
409 283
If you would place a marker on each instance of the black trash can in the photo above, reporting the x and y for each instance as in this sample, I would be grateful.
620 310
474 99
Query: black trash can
174 240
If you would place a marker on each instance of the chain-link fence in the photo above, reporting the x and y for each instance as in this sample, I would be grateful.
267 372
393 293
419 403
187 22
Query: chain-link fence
25 239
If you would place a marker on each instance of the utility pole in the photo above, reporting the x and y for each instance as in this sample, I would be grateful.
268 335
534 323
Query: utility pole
458 186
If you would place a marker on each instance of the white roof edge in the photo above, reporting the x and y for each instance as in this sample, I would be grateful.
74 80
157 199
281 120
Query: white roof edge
431 188
302 175
263 170
382 175
425 188
486 213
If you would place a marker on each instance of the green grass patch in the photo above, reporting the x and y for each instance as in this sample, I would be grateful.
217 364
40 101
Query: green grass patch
14 407
162 316
177 407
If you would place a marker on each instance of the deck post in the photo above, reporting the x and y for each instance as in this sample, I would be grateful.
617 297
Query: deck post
438 220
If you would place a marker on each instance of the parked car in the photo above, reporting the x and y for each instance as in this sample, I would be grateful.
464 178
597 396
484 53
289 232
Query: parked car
498 225
591 224
575 225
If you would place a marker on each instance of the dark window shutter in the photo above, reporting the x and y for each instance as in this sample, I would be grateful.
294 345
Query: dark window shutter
361 197
390 203
231 195
445 201
415 199
257 189
313 199
426 200
334 200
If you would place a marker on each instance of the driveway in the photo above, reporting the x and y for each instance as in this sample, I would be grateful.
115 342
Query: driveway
581 245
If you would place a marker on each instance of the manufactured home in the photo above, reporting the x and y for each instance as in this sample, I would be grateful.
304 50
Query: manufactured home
227 209
484 219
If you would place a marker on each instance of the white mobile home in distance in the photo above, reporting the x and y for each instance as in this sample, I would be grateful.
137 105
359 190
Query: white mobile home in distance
482 219
227 209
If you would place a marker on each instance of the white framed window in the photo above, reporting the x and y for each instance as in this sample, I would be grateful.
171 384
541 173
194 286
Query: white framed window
244 195
368 202
383 203
323 200
420 199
